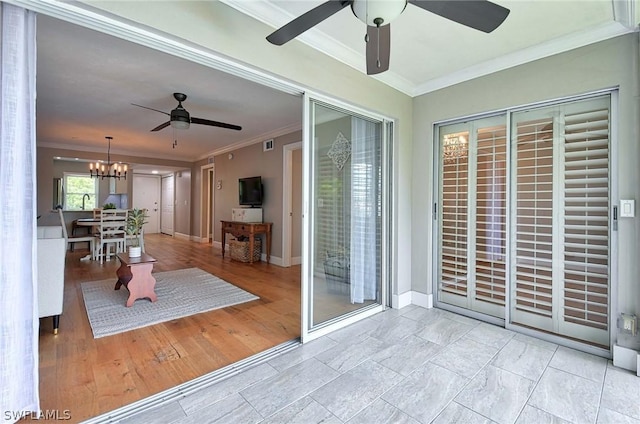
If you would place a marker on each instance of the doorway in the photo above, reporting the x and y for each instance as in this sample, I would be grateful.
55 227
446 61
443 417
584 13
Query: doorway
167 205
292 205
146 195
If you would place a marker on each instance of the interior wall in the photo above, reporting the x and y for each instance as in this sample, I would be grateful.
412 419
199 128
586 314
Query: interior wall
603 65
47 171
252 161
182 208
296 204
213 25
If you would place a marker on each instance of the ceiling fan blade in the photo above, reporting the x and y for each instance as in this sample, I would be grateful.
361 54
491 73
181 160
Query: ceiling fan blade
150 108
162 126
215 124
478 14
306 21
378 49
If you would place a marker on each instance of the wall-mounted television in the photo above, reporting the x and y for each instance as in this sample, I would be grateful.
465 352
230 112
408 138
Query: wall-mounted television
250 191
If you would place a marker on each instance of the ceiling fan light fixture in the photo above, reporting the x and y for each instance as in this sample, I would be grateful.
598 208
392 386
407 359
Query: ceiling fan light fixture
370 11
180 125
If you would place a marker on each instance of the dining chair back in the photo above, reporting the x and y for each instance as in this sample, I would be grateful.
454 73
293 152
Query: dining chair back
76 239
110 232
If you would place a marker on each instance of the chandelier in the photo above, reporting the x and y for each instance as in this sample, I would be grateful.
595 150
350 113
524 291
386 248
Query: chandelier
108 170
454 147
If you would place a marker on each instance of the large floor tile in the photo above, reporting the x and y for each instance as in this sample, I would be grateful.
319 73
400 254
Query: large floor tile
491 335
456 413
619 387
443 331
294 383
394 330
524 359
304 411
497 394
381 412
426 392
302 353
531 415
344 356
536 342
465 357
425 315
231 410
579 363
355 332
567 396
356 389
169 413
406 356
225 388
607 416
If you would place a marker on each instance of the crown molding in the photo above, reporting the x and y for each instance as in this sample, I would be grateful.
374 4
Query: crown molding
254 140
559 45
103 151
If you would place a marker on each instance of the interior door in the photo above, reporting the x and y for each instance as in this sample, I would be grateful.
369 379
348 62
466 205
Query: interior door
167 205
146 194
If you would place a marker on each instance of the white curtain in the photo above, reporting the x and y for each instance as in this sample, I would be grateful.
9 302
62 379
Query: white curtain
364 208
18 289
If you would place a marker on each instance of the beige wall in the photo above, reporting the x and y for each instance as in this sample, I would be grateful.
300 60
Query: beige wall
251 161
182 210
603 65
296 206
215 26
47 171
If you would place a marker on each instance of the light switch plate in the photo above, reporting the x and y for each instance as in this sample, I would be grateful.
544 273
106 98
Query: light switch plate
627 208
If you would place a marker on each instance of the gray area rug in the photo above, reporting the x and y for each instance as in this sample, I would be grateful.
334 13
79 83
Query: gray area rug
180 293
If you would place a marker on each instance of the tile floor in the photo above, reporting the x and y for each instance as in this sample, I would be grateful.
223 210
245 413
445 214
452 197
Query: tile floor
418 365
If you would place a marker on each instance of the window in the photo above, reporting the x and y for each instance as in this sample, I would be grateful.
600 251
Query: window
76 189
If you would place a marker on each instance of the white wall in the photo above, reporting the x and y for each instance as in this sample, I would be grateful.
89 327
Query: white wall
607 64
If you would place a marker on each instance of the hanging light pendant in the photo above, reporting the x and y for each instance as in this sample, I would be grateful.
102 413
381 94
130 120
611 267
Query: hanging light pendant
108 170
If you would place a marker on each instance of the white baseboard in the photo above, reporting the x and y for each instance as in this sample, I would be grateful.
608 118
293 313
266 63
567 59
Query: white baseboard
218 244
182 236
412 298
296 260
626 358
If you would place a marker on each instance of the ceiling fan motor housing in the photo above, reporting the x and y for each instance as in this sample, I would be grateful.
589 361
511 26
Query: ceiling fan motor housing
372 11
180 118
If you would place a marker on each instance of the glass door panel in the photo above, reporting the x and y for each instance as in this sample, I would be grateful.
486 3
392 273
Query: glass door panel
346 214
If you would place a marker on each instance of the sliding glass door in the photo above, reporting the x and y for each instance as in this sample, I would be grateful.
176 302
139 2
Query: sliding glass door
347 215
524 219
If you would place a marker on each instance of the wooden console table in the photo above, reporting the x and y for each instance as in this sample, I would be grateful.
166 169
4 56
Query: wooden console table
135 275
248 229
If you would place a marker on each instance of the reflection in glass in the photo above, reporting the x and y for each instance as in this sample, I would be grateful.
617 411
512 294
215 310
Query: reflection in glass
347 205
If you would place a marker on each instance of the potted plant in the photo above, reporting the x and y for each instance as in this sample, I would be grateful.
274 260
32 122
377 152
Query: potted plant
109 206
135 221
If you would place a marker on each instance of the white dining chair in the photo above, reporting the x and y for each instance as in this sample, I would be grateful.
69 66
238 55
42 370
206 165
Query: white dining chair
110 232
76 239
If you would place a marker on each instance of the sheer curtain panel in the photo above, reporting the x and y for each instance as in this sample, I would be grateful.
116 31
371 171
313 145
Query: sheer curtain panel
364 207
18 306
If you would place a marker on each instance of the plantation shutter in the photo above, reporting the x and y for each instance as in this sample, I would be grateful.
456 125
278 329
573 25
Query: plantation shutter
561 275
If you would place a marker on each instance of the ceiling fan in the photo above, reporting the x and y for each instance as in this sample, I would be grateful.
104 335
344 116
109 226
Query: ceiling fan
378 14
180 119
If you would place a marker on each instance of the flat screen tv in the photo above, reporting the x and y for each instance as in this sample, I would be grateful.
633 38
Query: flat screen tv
250 191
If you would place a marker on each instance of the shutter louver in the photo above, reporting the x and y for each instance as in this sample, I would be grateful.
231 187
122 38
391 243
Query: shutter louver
491 191
453 230
586 222
534 229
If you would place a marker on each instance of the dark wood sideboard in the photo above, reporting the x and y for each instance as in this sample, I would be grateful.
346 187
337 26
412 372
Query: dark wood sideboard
248 229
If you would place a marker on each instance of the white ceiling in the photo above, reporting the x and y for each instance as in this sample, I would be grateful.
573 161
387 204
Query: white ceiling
87 80
429 52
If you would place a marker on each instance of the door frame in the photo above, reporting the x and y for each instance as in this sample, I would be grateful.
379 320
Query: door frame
388 271
287 200
158 194
207 201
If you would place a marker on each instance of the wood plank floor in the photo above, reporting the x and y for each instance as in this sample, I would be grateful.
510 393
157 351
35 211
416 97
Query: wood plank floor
90 376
